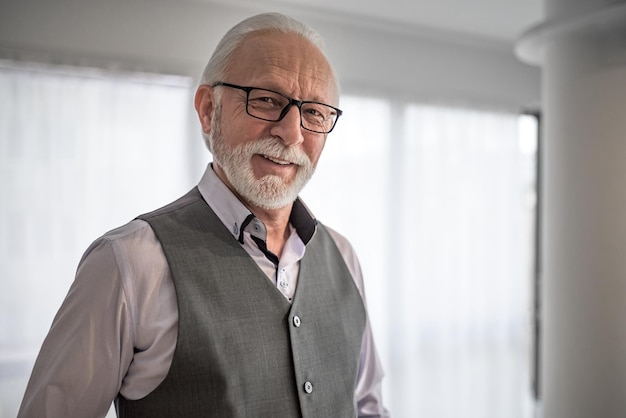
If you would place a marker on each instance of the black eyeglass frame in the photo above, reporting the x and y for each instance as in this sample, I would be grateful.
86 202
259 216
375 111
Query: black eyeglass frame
283 113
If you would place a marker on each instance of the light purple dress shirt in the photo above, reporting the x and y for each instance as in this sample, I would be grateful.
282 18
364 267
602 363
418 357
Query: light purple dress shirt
116 330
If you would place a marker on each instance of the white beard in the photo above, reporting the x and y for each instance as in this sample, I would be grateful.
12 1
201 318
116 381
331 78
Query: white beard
270 191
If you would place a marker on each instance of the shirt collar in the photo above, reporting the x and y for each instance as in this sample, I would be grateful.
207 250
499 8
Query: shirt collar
233 213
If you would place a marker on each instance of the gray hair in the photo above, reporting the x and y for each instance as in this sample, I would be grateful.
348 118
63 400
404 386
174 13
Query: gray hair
217 66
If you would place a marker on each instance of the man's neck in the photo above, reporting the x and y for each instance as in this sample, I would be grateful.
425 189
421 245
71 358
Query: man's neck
276 221
277 225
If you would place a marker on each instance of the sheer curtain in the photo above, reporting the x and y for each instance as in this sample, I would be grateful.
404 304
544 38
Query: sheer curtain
439 203
81 151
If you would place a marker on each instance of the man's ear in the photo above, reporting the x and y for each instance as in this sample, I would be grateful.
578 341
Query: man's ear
204 102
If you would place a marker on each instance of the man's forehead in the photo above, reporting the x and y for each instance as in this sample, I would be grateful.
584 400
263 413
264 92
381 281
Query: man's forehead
283 57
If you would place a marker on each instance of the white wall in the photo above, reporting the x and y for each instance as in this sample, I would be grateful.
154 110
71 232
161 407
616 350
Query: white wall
179 36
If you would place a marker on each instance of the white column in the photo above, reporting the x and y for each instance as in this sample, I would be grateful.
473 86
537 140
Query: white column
582 50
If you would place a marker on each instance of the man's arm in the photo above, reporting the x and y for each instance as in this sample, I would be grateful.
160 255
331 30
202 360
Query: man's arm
368 390
88 349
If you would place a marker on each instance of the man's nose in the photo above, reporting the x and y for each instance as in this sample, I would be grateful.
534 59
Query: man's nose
289 128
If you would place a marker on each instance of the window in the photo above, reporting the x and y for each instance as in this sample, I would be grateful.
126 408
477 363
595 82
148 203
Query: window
81 152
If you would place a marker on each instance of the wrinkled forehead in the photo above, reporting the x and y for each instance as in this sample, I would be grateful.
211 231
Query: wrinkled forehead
286 62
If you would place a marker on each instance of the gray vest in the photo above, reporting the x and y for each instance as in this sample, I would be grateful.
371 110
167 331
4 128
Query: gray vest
242 349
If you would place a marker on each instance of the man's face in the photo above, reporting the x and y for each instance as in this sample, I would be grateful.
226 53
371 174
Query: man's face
268 163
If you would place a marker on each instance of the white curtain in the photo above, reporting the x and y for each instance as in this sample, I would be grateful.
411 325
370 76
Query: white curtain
437 201
81 152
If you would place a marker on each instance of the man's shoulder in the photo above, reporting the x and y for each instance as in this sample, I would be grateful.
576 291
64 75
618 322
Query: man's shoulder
138 229
193 196
349 256
134 237
342 243
137 237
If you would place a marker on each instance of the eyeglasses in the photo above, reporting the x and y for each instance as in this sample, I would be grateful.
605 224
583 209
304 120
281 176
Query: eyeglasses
273 106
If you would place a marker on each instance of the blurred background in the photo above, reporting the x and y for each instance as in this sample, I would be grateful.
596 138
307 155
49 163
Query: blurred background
431 173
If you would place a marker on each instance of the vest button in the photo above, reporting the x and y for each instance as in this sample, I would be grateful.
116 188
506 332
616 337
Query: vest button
308 387
296 321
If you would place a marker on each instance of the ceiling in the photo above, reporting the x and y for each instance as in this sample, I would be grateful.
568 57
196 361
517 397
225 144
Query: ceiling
502 21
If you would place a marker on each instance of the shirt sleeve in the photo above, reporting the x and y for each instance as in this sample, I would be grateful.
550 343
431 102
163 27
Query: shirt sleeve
368 392
83 359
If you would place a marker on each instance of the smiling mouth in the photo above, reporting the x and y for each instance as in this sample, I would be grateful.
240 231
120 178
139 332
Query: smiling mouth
276 160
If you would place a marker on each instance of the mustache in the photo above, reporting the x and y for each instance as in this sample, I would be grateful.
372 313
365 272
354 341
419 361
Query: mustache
272 147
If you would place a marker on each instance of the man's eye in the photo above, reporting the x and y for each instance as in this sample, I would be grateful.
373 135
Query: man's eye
265 101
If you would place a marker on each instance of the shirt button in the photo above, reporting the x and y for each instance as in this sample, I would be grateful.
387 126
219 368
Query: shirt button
283 284
296 321
235 230
308 387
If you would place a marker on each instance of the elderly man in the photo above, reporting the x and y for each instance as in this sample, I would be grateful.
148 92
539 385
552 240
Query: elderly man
232 301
